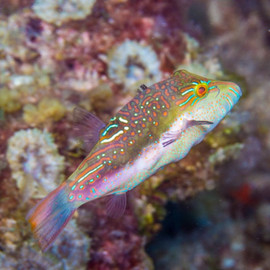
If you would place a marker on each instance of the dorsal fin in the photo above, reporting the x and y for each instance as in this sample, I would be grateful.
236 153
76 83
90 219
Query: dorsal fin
87 127
142 88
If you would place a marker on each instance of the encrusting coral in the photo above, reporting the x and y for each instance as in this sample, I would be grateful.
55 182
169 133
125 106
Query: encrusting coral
35 162
70 251
61 11
133 64
72 248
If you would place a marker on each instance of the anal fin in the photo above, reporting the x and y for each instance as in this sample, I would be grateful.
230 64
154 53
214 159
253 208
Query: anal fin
116 205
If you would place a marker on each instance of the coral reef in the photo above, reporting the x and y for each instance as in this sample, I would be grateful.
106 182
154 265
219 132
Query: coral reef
133 64
70 251
55 55
72 248
115 245
11 42
35 162
61 11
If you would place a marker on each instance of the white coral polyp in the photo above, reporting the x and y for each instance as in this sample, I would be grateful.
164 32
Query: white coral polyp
133 64
61 11
35 162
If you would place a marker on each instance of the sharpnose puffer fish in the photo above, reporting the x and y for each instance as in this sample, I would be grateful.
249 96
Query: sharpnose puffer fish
157 127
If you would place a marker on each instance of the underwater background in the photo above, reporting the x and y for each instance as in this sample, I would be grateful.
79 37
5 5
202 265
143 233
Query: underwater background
209 211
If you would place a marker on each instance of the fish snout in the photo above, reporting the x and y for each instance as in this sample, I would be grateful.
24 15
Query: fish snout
237 89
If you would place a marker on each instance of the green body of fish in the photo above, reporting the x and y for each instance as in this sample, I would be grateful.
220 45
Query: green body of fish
157 127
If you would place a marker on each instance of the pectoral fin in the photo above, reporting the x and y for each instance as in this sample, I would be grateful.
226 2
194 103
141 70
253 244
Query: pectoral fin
171 136
191 123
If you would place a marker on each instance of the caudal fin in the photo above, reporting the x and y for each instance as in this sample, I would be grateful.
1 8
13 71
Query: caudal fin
49 217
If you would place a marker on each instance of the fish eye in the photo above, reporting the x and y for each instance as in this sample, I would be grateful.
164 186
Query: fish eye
201 89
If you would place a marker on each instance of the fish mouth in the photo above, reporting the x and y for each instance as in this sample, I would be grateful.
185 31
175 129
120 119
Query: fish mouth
236 90
227 95
232 95
229 92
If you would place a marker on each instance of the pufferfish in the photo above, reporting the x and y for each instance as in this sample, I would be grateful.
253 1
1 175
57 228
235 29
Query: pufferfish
158 126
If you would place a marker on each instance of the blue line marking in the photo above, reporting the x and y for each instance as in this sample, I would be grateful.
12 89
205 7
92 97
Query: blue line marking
234 91
187 100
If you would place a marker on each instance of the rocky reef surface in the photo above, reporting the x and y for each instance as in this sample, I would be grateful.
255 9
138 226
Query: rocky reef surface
210 210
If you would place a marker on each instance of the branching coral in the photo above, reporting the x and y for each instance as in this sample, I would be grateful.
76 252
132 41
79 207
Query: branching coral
61 11
35 162
133 64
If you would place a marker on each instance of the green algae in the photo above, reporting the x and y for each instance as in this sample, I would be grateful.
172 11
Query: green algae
48 109
9 100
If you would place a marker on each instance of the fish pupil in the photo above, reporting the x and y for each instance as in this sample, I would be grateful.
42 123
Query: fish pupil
201 90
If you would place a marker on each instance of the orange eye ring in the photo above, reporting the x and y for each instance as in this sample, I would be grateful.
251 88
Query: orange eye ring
201 89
